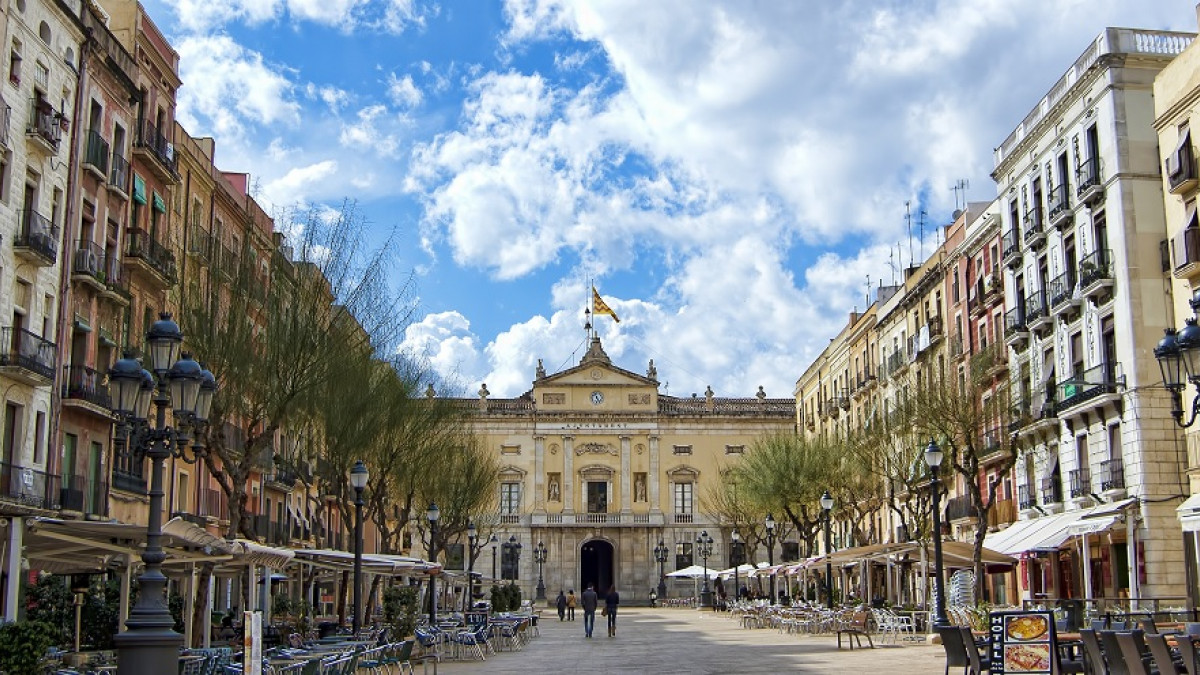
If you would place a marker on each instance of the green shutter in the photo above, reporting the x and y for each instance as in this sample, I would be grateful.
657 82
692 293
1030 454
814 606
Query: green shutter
139 189
159 204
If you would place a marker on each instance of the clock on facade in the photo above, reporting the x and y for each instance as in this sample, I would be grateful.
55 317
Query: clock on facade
597 398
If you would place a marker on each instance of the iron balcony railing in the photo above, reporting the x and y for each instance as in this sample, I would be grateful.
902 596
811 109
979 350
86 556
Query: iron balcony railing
1035 306
1087 176
38 234
114 279
1112 474
1014 320
152 139
1080 481
200 241
86 384
23 349
88 495
123 480
1025 498
960 507
142 245
29 487
88 260
1090 383
1059 201
96 152
1062 288
1097 266
1051 490
1010 243
1033 223
119 176
992 441
44 122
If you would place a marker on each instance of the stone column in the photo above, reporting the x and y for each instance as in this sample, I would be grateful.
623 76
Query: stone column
626 477
654 476
568 477
539 474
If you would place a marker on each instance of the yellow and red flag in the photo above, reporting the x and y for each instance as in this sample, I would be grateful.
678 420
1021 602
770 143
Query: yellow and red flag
601 307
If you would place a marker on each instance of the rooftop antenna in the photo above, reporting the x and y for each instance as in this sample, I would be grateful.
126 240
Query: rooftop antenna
587 312
892 261
908 224
921 220
960 193
868 290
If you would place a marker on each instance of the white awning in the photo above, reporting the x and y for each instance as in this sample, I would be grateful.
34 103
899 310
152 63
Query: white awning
1091 525
1049 532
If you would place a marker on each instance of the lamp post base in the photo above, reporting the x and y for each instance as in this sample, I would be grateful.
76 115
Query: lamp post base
541 590
148 650
706 598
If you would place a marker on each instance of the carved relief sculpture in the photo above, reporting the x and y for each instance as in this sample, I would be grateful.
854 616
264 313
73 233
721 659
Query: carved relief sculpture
595 449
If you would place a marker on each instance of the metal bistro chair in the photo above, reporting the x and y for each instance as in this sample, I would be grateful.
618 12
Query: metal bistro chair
1112 653
1093 655
979 662
1187 650
1164 660
956 651
1133 649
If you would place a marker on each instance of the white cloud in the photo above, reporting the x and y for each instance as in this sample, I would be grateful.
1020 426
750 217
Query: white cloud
366 134
292 187
402 91
388 16
333 97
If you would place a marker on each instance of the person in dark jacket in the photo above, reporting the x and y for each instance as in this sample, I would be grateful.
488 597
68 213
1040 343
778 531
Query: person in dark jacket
561 603
610 608
590 600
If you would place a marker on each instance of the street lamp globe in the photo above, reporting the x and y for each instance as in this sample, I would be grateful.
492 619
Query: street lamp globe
933 455
359 476
472 533
125 384
141 411
1188 340
770 523
208 391
826 501
184 379
432 513
165 340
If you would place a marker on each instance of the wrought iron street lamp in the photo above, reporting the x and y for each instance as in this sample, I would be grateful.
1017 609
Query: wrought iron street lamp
512 554
660 554
827 509
539 557
358 480
704 549
933 457
1178 355
770 523
149 645
432 514
495 542
472 538
736 559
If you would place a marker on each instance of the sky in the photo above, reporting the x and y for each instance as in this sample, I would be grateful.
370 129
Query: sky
732 175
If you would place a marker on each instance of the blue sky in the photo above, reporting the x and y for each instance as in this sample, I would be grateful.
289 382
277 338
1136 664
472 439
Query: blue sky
730 173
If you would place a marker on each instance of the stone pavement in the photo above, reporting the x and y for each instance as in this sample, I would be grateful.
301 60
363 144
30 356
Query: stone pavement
671 640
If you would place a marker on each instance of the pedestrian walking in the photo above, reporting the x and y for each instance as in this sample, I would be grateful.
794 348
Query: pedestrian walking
571 605
610 609
590 600
561 603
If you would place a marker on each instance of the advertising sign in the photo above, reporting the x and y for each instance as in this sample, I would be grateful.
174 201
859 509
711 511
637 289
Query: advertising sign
252 659
1022 642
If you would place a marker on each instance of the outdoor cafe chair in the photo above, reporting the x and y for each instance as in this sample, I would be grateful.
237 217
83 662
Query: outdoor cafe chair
1093 655
1164 660
1133 649
1187 652
956 651
979 662
1113 655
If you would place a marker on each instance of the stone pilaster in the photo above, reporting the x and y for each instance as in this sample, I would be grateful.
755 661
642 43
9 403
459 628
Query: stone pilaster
626 476
539 474
654 476
568 478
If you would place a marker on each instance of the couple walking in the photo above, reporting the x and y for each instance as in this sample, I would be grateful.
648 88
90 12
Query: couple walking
591 600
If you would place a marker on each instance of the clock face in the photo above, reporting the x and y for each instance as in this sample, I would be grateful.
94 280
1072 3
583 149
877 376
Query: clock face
597 398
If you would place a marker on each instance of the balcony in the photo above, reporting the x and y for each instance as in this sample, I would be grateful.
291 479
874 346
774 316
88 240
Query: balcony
151 257
1025 498
1112 475
1060 207
213 505
5 123
87 385
1096 273
45 126
154 145
1092 387
1003 512
1010 247
1180 167
282 479
1088 186
116 285
896 362
991 445
959 508
26 357
37 239
29 488
956 347
1035 231
1051 490
87 265
118 178
128 482
1062 293
1080 482
1037 311
1016 330
88 496
95 156
200 242
1042 412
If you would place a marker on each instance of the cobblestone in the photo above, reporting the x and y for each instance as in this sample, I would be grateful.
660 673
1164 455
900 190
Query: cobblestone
689 641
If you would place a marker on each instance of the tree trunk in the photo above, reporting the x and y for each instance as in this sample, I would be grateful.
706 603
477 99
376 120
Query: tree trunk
341 601
201 621
376 579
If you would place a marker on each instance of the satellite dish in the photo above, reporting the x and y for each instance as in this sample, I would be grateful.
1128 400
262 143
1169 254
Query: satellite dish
957 213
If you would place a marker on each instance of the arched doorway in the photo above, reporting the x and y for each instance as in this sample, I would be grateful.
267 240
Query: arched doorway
596 565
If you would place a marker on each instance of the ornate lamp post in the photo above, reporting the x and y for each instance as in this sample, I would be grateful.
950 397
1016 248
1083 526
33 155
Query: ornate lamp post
736 559
933 457
539 557
770 523
704 549
1178 355
149 645
827 509
512 553
432 514
358 480
660 554
472 538
495 544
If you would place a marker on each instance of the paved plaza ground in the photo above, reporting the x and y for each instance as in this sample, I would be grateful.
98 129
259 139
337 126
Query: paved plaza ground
689 641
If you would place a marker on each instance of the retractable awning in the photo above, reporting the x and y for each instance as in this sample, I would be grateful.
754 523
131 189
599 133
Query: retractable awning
1050 532
372 563
77 546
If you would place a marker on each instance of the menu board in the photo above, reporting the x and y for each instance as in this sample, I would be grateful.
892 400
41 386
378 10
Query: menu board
1022 642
